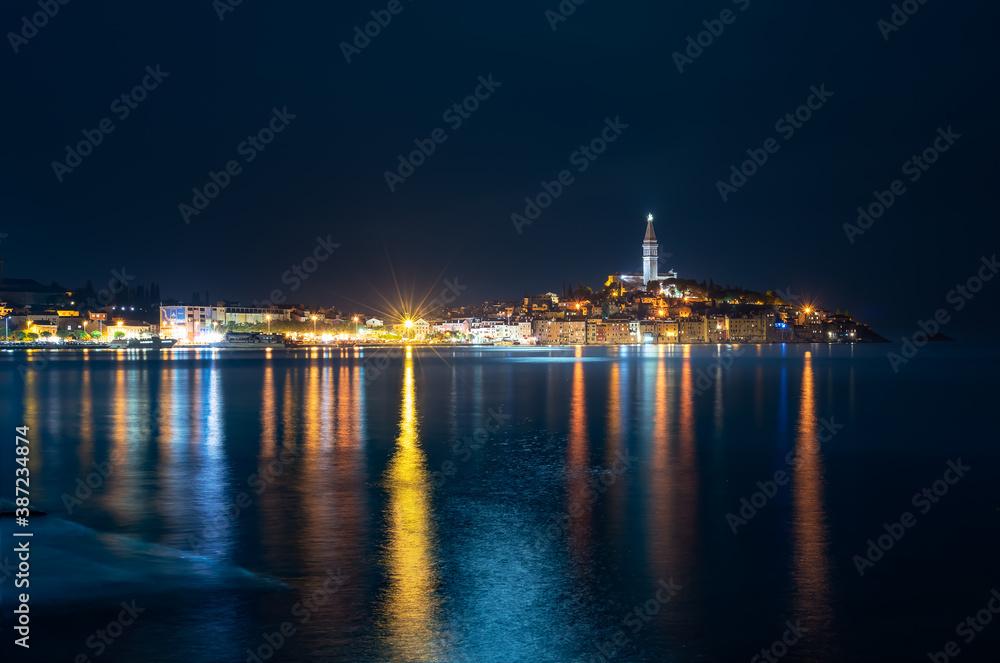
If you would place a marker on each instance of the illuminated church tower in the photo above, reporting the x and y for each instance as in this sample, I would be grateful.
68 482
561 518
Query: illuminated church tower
649 248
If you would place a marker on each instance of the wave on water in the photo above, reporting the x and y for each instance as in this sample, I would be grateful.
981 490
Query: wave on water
72 564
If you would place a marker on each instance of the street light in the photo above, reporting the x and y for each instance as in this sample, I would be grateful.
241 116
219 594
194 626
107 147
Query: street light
268 324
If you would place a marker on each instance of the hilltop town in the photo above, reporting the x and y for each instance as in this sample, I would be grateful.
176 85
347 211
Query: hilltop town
642 307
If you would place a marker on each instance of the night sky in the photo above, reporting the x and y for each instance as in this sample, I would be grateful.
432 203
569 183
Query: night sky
324 174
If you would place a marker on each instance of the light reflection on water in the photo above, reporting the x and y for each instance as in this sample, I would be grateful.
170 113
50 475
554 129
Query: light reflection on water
810 570
337 473
410 604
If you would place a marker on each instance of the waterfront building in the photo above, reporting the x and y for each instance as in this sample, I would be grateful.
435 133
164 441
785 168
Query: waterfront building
692 329
463 326
777 330
718 331
745 329
571 331
187 322
420 329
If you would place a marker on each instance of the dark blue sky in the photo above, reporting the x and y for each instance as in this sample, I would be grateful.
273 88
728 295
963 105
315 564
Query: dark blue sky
324 174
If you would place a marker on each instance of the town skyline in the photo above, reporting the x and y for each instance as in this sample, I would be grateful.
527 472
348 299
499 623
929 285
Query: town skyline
408 304
640 306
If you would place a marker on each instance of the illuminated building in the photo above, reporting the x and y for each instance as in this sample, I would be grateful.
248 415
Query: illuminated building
650 265
571 331
186 322
612 331
746 329
693 330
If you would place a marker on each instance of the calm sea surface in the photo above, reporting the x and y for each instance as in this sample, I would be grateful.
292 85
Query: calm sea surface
504 504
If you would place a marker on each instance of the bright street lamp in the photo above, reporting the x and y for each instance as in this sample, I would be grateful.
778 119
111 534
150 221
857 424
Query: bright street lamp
268 324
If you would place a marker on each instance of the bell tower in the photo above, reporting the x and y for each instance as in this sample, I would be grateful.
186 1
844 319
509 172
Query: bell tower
649 249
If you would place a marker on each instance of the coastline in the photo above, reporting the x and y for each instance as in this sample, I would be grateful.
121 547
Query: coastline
46 347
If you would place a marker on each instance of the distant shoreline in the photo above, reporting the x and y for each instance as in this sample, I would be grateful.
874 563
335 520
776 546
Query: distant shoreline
202 348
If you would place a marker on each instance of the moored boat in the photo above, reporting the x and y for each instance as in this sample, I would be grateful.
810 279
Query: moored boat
150 342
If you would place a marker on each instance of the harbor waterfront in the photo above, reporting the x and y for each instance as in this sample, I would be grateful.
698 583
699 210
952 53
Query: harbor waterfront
441 503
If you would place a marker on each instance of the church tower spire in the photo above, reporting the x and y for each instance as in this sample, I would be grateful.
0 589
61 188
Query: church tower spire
650 271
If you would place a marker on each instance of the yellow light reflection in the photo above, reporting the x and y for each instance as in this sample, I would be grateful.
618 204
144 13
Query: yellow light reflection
120 498
85 452
578 489
810 566
614 417
672 493
411 603
685 517
277 464
175 497
658 493
268 414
